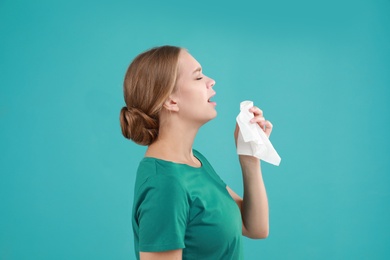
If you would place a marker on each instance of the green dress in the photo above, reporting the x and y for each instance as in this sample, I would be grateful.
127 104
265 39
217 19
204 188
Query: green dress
178 206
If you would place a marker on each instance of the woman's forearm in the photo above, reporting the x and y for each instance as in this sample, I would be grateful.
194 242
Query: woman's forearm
254 209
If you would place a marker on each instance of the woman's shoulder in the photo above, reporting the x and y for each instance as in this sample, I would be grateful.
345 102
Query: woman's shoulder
153 171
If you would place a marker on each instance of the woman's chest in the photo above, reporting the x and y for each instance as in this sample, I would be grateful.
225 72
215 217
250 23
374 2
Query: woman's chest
214 221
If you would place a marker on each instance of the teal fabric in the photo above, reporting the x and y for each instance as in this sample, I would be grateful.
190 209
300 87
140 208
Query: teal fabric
179 206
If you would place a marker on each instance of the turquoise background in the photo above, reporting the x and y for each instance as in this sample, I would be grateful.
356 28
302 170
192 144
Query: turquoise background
318 69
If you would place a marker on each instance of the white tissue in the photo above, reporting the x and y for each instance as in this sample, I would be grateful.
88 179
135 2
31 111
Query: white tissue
251 138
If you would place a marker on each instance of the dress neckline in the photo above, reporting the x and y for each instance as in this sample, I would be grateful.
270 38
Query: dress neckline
178 163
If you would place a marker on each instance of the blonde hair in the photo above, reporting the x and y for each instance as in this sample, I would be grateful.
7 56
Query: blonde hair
149 81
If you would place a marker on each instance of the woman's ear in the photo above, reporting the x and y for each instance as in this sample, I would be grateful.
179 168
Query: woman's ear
171 104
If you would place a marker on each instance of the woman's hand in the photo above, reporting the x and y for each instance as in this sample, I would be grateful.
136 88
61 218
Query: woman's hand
265 125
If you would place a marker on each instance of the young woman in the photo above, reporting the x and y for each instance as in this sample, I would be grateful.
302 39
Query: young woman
182 209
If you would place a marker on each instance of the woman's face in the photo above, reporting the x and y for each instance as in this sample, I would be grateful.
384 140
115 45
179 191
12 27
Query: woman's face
194 91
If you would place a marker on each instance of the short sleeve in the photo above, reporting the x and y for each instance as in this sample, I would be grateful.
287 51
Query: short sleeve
162 213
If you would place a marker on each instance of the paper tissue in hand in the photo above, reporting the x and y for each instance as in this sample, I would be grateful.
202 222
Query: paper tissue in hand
252 140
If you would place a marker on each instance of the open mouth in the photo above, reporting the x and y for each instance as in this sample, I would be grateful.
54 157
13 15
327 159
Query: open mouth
211 101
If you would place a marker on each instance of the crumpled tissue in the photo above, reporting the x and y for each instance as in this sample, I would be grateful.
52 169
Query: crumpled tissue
251 138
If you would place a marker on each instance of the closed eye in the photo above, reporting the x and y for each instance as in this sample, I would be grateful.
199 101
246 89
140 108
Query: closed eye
199 78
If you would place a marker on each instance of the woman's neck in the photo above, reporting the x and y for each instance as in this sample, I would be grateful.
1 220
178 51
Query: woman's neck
174 144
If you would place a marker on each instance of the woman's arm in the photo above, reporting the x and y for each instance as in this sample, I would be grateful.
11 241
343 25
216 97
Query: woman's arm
166 255
254 204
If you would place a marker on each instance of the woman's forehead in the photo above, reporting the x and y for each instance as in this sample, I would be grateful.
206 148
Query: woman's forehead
187 63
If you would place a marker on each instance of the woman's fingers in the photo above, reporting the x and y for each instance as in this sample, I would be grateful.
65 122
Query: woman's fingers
261 121
268 128
258 119
256 111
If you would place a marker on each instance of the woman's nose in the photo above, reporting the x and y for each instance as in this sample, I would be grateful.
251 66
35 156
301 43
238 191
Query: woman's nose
211 83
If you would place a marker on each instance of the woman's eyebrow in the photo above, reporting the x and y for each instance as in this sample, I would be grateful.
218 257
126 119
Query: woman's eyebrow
199 69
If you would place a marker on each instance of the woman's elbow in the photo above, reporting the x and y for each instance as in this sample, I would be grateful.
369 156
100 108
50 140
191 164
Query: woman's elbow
261 235
258 234
264 234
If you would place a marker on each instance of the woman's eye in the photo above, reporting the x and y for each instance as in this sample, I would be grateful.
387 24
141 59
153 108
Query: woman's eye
199 78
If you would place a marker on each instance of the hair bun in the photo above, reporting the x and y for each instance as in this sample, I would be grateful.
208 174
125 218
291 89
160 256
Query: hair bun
138 126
